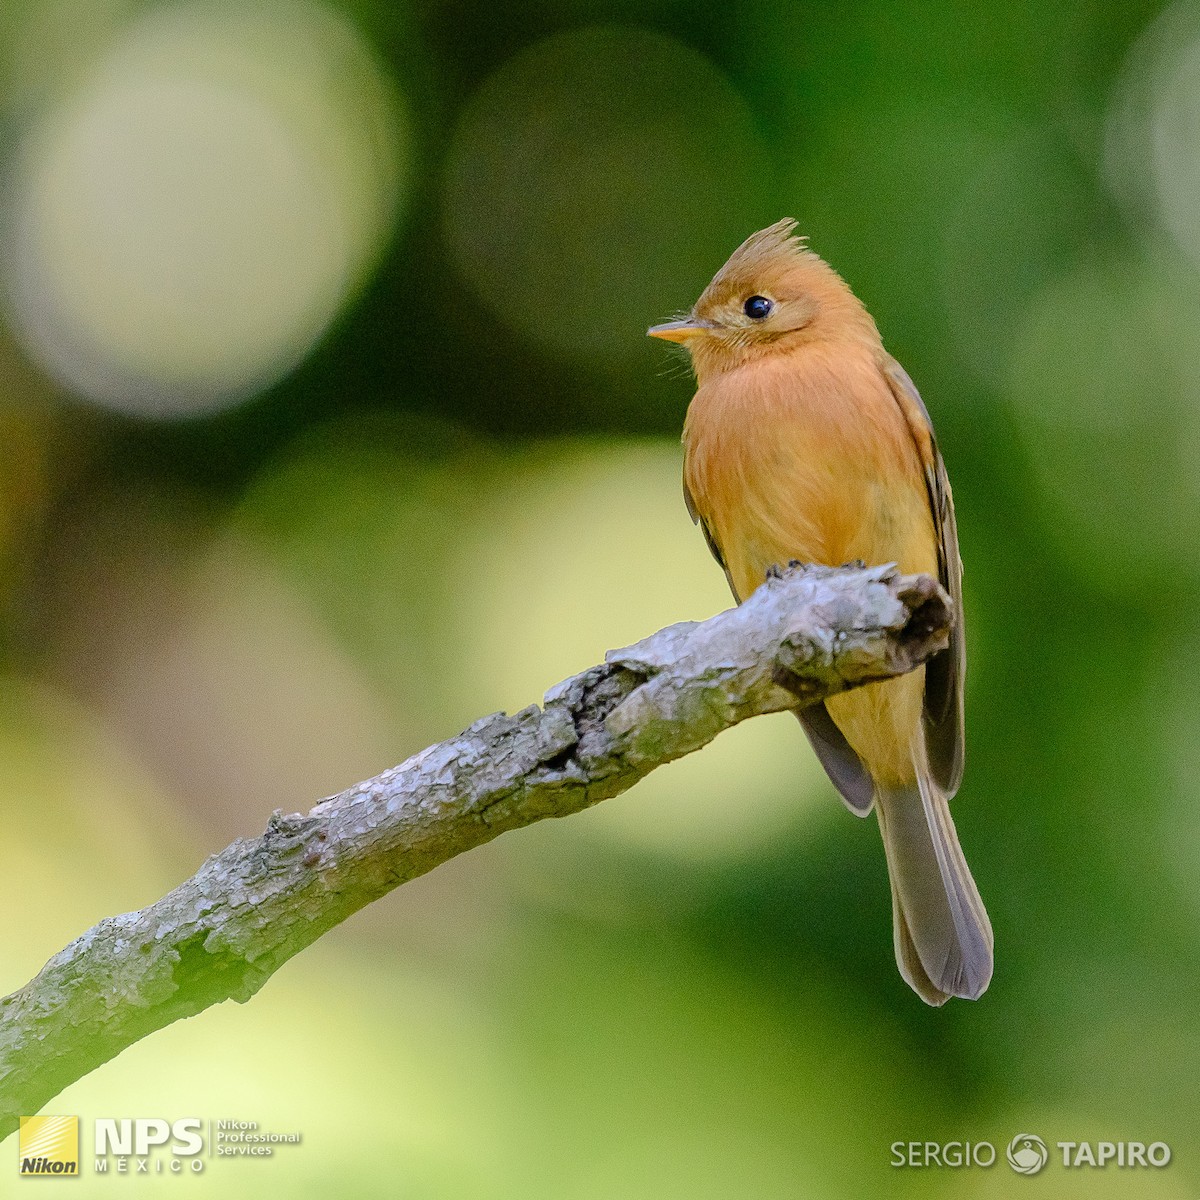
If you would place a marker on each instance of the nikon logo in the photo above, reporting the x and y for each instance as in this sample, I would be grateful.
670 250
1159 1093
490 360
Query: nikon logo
49 1146
48 1166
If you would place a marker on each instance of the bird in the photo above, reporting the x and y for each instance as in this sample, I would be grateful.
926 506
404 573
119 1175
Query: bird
806 441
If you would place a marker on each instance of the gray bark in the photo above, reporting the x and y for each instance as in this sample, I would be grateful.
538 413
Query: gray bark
808 633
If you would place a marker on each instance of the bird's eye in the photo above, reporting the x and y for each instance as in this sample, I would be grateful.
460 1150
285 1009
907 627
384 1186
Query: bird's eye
757 307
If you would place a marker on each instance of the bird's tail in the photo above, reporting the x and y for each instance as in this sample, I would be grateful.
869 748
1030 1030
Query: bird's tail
942 932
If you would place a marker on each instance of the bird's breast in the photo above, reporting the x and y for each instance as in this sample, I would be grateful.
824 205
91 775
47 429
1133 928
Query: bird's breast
806 455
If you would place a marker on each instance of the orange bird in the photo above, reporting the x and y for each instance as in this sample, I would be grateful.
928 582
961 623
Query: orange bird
807 440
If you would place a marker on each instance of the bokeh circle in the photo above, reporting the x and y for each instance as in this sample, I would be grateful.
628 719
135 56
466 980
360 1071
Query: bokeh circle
1108 408
188 219
595 183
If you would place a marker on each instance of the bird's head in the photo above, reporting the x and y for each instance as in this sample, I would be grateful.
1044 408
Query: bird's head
773 294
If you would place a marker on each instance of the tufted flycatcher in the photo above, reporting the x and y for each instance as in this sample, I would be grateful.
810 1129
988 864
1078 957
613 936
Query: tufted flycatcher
807 440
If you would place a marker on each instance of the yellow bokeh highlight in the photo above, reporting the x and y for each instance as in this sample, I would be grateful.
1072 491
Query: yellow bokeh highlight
587 547
192 213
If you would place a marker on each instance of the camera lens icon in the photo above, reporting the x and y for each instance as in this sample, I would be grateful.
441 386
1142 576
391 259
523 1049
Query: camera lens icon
1027 1154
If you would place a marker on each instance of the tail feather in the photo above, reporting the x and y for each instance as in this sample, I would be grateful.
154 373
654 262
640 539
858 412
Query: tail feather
909 961
942 933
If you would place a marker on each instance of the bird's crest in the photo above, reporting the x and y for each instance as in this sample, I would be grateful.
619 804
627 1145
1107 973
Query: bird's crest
762 257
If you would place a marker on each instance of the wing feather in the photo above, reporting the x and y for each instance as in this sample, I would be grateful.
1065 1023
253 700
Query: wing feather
709 540
945 673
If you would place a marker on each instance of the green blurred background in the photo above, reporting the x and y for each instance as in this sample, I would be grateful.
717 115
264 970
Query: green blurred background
327 425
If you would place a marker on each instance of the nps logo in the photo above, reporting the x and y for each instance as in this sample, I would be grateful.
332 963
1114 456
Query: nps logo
49 1146
143 1145
148 1145
1027 1154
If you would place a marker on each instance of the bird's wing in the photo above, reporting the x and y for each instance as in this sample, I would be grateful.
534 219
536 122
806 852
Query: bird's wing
944 673
709 539
844 768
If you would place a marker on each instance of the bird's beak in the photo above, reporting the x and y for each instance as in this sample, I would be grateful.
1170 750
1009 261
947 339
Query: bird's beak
678 331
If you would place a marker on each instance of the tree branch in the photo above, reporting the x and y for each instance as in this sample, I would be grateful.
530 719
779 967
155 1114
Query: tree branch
808 633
